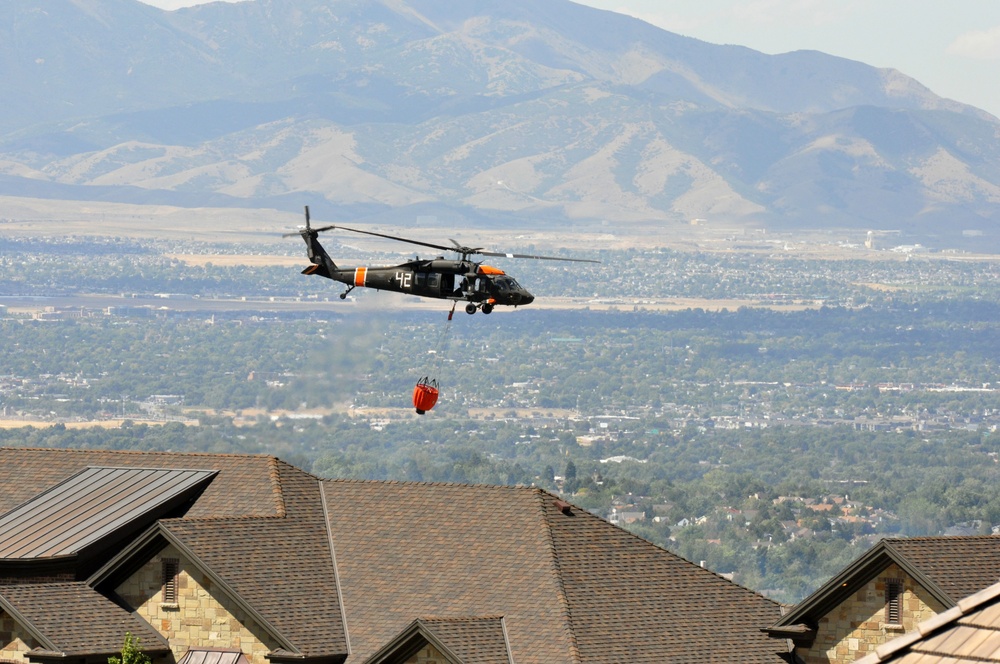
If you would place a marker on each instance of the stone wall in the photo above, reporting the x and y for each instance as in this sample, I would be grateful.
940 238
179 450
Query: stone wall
14 641
858 626
201 617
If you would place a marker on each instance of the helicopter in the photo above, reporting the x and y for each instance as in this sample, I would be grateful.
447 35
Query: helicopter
482 287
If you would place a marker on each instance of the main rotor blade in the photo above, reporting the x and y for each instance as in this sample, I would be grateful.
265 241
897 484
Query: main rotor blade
395 237
465 251
537 258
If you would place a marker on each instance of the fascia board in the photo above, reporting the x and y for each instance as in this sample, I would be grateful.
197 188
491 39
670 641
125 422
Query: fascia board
229 591
853 577
160 530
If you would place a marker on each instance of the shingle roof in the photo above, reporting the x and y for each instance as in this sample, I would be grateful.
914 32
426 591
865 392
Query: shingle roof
283 568
571 587
474 640
630 601
247 485
947 567
966 633
91 505
959 566
73 619
460 641
280 568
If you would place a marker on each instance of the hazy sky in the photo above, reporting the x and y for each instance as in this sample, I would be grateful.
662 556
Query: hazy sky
951 46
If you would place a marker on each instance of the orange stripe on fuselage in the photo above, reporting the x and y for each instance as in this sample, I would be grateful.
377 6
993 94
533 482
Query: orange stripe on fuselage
489 269
359 276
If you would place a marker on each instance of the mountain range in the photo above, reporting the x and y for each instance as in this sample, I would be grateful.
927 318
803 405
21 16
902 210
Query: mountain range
548 112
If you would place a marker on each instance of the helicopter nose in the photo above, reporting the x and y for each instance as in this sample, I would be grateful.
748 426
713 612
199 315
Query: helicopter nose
526 298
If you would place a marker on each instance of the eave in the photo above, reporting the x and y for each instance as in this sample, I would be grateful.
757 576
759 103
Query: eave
150 540
43 656
805 616
801 635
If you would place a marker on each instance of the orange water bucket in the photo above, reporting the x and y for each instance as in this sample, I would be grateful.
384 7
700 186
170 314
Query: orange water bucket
425 395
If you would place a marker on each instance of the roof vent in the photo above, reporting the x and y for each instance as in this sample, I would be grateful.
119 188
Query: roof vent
564 507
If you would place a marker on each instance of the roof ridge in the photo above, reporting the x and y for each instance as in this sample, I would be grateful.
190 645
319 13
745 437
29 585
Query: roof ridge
971 603
46 584
464 485
147 468
137 452
460 618
557 569
867 566
274 475
207 519
217 579
678 557
938 538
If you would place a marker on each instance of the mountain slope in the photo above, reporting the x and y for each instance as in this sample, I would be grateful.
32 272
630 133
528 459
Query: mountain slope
550 110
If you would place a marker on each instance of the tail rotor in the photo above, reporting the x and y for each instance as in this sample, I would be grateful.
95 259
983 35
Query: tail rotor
323 265
309 231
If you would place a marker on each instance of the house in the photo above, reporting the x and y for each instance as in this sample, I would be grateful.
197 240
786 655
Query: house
886 593
967 633
244 559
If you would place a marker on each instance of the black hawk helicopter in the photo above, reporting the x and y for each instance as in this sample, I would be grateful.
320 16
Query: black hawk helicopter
483 287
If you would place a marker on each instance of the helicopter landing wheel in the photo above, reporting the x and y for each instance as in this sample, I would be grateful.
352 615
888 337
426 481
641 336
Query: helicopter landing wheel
470 308
343 296
487 308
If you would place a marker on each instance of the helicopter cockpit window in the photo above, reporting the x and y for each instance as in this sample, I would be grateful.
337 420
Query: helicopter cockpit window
509 283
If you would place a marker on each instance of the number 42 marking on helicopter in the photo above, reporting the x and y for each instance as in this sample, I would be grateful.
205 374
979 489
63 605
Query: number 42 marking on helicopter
481 286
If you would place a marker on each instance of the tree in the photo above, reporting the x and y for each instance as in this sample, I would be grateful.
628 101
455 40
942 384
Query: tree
131 652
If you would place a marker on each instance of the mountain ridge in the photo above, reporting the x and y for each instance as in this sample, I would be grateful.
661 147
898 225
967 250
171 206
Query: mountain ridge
553 110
